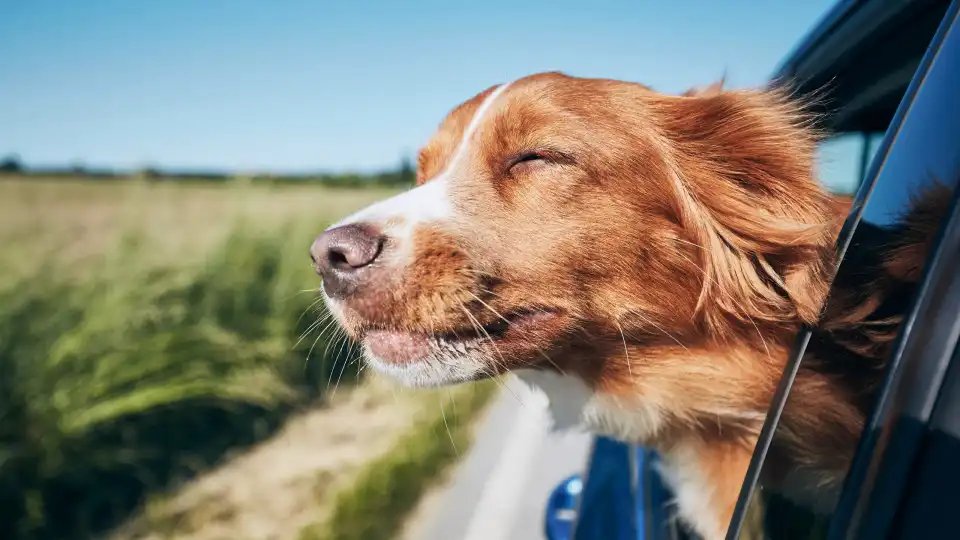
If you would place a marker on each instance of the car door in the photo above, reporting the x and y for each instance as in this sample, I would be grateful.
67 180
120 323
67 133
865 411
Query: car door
913 422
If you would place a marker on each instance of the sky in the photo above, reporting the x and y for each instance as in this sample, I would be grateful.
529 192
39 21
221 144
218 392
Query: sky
297 85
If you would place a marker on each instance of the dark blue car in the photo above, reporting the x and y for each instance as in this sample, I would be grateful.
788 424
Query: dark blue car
892 68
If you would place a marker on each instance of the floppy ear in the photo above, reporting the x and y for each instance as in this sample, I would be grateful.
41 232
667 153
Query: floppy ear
743 175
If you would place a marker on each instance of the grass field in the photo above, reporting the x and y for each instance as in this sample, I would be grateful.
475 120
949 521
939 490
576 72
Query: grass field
149 331
81 221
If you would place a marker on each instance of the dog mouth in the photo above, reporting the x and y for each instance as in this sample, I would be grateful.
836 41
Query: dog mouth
402 347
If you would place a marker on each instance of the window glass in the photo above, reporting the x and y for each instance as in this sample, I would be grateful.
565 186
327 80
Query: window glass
841 160
841 371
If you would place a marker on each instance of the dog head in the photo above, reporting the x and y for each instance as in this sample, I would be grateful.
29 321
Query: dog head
588 226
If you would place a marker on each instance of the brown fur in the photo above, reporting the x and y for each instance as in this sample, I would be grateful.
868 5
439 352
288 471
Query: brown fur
680 242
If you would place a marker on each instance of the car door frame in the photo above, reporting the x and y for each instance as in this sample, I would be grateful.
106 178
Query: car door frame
853 492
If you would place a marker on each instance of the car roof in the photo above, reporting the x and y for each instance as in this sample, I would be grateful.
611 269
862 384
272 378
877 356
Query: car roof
860 58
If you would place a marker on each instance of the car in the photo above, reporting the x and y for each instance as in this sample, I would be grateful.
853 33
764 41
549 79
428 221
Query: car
891 71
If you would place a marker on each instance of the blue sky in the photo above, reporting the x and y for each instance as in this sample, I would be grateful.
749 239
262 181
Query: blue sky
307 85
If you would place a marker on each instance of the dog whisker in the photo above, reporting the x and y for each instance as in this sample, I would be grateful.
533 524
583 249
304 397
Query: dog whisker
492 371
660 329
339 338
443 415
312 305
486 305
343 365
625 350
316 324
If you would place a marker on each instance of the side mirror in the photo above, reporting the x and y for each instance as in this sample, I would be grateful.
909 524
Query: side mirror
561 511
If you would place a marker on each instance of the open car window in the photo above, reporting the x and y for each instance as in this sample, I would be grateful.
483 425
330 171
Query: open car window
842 160
917 160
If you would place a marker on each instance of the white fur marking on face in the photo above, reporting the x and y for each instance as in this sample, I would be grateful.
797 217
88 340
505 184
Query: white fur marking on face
426 203
429 203
397 218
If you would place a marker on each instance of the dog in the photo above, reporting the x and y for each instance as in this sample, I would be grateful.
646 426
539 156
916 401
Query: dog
647 260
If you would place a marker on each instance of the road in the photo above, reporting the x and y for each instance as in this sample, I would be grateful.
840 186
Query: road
502 484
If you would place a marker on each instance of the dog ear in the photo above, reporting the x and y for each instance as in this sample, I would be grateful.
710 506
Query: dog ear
745 189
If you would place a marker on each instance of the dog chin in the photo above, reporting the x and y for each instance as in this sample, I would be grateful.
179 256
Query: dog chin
431 371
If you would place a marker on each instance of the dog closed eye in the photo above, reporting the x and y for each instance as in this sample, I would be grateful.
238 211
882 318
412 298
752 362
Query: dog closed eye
530 159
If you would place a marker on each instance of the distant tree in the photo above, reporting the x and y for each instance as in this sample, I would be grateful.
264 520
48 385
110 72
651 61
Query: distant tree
78 168
11 164
148 172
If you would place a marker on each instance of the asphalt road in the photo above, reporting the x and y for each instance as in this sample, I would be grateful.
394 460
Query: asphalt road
502 484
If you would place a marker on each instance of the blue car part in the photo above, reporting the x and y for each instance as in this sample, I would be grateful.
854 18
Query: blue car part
620 497
561 509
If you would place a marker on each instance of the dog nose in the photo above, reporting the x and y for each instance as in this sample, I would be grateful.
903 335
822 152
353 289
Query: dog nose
340 253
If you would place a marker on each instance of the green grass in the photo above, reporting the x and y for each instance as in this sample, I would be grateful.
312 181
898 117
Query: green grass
137 364
375 505
149 331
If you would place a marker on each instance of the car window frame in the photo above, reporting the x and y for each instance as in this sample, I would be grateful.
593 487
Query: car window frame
930 501
751 479
930 344
923 347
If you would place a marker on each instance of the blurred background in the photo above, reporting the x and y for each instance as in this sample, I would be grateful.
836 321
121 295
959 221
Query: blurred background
166 370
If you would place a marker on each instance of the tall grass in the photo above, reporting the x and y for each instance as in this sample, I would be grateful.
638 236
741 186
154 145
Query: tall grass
138 375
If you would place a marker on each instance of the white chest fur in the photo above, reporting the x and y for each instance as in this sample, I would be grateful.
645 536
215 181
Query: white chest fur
574 406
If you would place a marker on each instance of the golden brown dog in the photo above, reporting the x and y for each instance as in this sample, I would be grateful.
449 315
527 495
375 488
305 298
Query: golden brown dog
646 259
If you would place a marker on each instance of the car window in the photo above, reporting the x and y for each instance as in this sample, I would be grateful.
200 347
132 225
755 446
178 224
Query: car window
841 160
916 171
